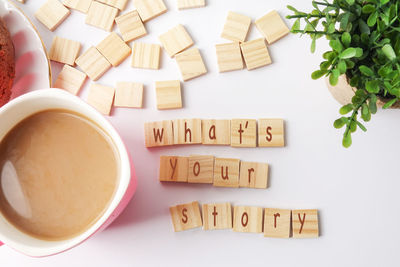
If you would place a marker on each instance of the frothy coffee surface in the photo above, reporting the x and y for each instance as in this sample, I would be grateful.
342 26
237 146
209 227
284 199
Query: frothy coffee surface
58 173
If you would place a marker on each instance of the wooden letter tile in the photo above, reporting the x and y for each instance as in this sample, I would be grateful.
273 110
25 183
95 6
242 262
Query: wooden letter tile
271 133
101 98
184 4
70 79
190 64
272 26
120 4
101 15
129 95
201 169
243 133
114 49
168 94
247 219
176 40
236 27
186 216
187 131
217 216
158 133
146 56
64 50
229 57
149 9
174 169
277 223
130 26
226 172
305 223
52 13
93 63
216 132
80 5
255 53
253 175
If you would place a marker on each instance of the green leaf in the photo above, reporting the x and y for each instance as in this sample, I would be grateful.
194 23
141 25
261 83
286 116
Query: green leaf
372 19
347 140
362 127
363 27
342 66
344 20
372 104
312 49
365 113
383 2
318 74
372 86
387 49
346 109
339 123
346 39
359 52
291 8
334 77
296 25
336 45
350 2
348 53
389 103
366 71
368 9
353 126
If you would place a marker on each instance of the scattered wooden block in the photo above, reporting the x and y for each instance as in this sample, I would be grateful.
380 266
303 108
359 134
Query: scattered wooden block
217 216
101 16
272 26
52 13
70 79
255 53
101 98
174 169
114 49
186 216
146 56
80 5
305 223
253 175
149 9
229 57
236 27
243 133
187 131
226 172
190 64
201 169
158 133
247 219
131 26
176 40
271 133
120 4
216 132
93 63
184 4
129 95
277 223
168 94
64 50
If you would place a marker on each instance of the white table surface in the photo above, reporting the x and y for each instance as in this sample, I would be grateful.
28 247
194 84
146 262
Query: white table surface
355 190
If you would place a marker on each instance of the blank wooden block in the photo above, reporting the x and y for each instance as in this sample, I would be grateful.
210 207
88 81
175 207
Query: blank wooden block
101 98
201 169
70 79
187 131
277 223
271 133
243 133
272 26
190 64
186 216
305 223
101 16
120 4
93 63
129 95
174 169
146 56
64 50
158 133
229 57
80 5
52 13
176 40
236 27
216 132
226 172
184 4
149 9
247 219
168 94
253 175
217 216
255 53
114 49
130 26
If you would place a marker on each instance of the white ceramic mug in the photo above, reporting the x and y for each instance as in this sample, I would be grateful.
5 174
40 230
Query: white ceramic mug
24 106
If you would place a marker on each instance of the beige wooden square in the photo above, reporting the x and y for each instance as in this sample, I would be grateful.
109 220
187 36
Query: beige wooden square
305 223
253 175
201 169
64 50
187 131
93 63
175 40
70 79
80 5
52 13
229 57
158 133
130 26
217 216
243 133
145 56
101 16
226 172
120 4
272 26
236 27
247 219
271 133
101 98
168 94
174 169
186 216
277 223
149 9
216 132
114 49
129 95
184 4
255 54
190 64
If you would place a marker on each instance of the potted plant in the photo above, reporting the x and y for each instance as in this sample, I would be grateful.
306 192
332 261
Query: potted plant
362 67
